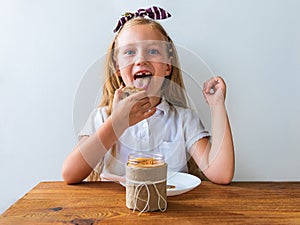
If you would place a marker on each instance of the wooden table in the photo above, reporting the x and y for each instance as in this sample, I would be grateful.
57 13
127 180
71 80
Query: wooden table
104 203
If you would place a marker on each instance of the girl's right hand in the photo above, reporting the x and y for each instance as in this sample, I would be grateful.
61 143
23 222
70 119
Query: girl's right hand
132 109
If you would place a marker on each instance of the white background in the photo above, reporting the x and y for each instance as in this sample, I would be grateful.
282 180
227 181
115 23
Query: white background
46 48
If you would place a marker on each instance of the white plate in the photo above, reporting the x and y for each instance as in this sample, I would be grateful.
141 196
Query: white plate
183 182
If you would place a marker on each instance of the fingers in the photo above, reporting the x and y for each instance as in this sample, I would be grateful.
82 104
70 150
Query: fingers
142 106
138 96
213 84
149 113
130 100
139 113
118 94
135 107
210 85
214 91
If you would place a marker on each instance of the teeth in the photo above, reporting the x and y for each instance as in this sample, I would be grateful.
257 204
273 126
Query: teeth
143 74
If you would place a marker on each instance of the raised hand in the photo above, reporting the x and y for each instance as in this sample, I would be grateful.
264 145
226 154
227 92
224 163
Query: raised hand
131 110
214 91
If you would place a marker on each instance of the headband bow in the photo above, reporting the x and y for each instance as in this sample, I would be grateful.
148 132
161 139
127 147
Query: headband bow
154 12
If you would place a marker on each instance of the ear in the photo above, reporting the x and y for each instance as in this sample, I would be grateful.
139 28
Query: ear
169 67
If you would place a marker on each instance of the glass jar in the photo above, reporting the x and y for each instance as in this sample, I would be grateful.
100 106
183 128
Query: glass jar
146 182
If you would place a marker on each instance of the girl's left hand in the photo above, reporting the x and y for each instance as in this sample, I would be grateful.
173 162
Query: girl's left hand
214 91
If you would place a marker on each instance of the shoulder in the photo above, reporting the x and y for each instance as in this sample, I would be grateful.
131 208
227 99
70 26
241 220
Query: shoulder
100 113
94 121
98 116
101 110
189 118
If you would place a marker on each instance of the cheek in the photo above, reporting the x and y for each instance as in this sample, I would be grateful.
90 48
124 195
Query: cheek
123 63
125 73
125 70
163 69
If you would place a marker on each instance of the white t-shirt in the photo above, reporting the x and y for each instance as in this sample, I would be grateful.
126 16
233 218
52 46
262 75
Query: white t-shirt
171 131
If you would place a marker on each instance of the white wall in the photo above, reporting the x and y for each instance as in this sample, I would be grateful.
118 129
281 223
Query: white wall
48 50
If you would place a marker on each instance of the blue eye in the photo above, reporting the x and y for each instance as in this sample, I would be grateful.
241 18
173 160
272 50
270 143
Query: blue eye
129 52
153 52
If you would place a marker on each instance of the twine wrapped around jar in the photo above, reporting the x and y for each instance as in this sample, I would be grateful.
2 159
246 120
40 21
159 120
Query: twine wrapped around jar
146 187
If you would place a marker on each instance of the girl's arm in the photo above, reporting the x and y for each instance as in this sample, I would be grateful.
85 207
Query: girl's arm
90 149
216 159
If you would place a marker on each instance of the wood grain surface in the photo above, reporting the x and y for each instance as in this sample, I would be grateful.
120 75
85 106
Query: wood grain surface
104 203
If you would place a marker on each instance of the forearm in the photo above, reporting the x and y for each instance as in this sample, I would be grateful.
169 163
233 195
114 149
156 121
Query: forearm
89 151
220 157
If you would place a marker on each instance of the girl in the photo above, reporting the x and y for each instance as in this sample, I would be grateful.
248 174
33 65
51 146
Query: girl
156 119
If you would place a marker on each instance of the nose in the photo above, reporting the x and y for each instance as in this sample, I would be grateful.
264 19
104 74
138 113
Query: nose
141 58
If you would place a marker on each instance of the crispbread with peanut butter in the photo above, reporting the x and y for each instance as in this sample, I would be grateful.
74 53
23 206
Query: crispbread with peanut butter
129 90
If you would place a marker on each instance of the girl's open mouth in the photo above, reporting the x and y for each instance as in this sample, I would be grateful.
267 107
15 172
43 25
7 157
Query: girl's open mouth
142 79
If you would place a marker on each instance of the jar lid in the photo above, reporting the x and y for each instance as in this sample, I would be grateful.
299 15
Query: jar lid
145 160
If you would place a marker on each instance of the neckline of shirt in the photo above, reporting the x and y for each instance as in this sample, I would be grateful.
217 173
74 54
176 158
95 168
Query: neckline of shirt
163 106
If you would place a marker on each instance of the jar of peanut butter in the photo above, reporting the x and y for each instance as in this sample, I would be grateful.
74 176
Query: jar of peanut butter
146 178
